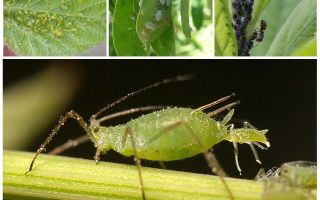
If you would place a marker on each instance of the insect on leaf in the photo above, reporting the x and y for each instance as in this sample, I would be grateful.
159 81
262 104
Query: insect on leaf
225 42
125 39
258 8
47 28
165 45
299 28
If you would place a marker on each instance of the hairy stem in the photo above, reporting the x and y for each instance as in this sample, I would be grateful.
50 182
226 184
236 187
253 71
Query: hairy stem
57 177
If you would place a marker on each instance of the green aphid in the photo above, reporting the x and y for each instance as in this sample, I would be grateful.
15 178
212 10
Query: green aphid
165 135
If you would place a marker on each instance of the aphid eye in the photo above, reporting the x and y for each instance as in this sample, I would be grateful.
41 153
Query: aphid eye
96 129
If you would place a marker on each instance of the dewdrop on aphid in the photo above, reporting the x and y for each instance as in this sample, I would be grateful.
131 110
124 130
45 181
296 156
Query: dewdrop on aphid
147 136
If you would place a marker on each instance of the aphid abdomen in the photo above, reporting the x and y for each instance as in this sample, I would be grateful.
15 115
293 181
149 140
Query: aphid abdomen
174 142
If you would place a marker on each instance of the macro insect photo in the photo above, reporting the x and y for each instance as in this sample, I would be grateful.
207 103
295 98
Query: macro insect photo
160 28
54 28
265 28
111 125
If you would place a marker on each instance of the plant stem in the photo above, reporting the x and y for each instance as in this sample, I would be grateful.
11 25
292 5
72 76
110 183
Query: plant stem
57 177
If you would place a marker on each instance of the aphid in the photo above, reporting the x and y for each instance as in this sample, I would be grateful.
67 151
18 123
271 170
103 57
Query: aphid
163 2
254 35
260 36
263 25
295 180
165 135
158 15
300 173
150 25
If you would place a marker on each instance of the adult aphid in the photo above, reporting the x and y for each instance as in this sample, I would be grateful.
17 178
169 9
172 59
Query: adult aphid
164 135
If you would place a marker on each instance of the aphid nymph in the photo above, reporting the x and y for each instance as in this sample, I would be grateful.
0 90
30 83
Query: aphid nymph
158 15
146 137
162 2
150 25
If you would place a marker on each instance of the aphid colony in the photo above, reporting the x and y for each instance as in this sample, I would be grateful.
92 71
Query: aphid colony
158 14
168 134
241 16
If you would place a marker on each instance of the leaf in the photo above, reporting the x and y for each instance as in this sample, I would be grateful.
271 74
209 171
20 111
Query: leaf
56 27
125 39
299 28
308 49
197 14
258 8
225 42
165 45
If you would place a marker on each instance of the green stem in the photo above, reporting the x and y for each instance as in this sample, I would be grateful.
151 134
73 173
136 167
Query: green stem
57 177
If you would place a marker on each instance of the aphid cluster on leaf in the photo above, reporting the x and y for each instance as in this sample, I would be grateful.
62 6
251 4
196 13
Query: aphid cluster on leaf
242 15
168 134
152 20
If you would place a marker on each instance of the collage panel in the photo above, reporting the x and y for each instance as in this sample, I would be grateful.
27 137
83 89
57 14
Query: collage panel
54 28
161 28
248 111
265 28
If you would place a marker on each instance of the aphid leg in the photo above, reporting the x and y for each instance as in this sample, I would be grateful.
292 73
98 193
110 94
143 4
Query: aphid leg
97 156
214 103
255 154
226 107
212 161
127 134
235 150
71 114
70 144
185 77
235 147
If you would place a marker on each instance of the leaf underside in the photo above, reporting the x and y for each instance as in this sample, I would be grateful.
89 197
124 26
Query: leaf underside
54 28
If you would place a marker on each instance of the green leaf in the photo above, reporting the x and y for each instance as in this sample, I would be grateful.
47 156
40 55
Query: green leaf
258 8
309 49
165 45
125 39
299 28
197 14
225 42
56 27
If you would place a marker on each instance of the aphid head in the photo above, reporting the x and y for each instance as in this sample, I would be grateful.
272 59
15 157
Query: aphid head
249 135
101 138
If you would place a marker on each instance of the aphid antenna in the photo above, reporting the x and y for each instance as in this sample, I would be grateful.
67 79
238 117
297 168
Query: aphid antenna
202 108
179 78
224 108
129 111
